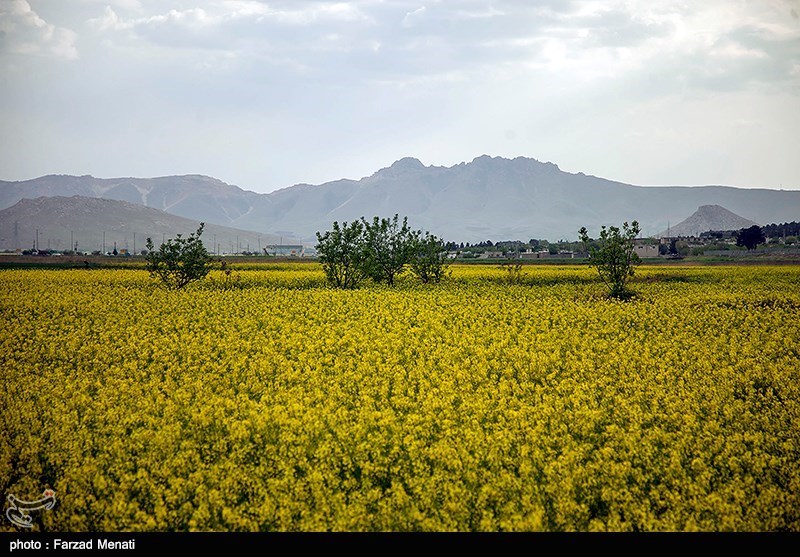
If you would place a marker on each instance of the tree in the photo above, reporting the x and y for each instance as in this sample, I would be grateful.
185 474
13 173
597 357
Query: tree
615 258
750 237
343 254
388 245
583 236
429 259
179 261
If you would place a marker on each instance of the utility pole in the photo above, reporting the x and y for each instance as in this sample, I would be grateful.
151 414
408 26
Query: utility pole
134 243
71 240
216 247
37 240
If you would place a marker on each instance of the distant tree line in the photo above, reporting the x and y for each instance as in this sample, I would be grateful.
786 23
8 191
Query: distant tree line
753 236
380 250
782 230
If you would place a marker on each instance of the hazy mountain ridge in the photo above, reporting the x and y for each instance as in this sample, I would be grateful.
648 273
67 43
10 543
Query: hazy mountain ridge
60 220
191 196
487 198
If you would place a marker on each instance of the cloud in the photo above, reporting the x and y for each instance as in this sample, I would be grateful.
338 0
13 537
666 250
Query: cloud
414 16
353 83
579 42
292 35
109 21
195 18
131 5
485 13
227 11
23 31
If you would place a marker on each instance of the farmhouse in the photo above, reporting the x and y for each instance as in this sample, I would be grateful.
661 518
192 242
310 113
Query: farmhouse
644 250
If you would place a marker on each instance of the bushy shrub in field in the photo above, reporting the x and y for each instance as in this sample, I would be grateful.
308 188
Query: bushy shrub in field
179 261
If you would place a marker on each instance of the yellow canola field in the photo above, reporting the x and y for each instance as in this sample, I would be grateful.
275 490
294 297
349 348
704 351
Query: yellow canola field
271 402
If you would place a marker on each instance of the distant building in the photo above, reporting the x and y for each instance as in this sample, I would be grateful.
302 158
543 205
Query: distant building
645 251
285 250
541 254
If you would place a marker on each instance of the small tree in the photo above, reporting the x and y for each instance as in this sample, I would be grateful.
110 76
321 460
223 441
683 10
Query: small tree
389 246
179 261
751 237
615 258
429 259
343 255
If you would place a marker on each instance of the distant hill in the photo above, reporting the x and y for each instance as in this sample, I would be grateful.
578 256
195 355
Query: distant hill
487 198
85 219
192 196
706 218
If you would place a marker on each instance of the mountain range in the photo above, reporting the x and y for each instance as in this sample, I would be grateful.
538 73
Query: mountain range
97 224
488 198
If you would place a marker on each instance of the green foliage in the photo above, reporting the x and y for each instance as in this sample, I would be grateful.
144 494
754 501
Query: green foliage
751 237
179 261
429 260
615 258
389 245
380 250
343 254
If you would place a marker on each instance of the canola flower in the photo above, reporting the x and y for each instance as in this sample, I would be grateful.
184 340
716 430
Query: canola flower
271 402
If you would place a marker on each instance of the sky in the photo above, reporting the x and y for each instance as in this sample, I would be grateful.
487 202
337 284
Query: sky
266 94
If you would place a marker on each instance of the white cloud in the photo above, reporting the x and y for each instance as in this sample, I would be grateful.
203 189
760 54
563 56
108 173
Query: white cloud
191 18
727 48
414 16
315 12
109 21
23 31
216 14
488 12
132 5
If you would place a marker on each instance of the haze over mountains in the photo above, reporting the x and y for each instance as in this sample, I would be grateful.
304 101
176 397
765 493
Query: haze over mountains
94 223
487 198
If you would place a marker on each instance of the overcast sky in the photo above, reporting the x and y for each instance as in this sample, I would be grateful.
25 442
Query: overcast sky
265 95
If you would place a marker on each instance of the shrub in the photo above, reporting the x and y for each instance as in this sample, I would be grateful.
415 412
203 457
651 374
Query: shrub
179 261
